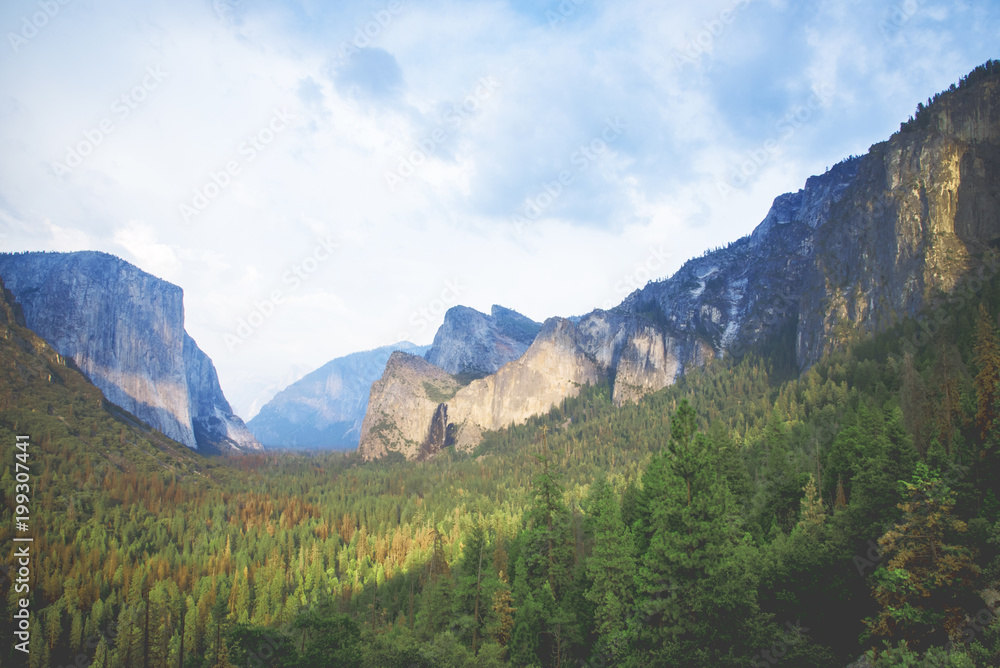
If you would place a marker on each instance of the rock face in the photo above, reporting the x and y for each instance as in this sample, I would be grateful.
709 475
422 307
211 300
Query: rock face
404 405
125 330
553 368
473 344
858 248
325 408
417 408
922 211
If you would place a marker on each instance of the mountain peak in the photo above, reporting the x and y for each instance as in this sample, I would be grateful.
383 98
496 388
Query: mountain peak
472 344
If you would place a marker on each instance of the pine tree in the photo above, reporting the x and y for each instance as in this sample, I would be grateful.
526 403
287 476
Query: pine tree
611 569
502 626
812 513
923 588
696 593
527 619
841 499
472 571
949 413
913 399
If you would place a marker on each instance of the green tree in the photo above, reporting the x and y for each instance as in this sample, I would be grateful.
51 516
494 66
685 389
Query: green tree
697 582
611 569
329 639
260 646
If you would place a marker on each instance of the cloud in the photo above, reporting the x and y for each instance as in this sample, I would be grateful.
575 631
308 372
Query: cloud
370 74
142 248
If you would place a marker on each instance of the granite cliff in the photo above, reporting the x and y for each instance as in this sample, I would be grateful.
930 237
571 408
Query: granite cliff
124 329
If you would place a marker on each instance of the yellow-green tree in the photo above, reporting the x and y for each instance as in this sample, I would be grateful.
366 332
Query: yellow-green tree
923 586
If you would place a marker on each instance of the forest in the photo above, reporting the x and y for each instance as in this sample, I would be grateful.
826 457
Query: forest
749 515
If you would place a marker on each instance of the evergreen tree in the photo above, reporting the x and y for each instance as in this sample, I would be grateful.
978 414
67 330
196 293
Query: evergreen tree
697 593
502 625
924 590
611 569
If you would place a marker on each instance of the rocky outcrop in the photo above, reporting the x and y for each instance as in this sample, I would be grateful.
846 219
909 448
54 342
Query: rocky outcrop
403 406
325 408
471 344
417 408
125 330
553 368
858 248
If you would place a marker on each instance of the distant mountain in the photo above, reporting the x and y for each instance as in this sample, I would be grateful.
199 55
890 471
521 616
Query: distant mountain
470 344
325 408
873 240
124 329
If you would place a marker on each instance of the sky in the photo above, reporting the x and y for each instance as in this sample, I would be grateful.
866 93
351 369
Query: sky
324 178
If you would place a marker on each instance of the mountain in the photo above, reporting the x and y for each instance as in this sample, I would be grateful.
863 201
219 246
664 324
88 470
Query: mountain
873 240
417 408
77 420
124 329
471 344
325 408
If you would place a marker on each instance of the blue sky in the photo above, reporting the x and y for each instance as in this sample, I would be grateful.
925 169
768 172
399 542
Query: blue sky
325 179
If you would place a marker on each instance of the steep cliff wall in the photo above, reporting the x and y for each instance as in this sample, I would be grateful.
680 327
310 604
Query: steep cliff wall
403 406
125 330
553 368
417 408
924 208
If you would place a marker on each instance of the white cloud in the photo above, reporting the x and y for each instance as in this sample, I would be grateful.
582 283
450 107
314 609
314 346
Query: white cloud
143 250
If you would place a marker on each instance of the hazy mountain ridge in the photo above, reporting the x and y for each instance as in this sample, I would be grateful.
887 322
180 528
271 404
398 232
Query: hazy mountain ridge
124 328
325 408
